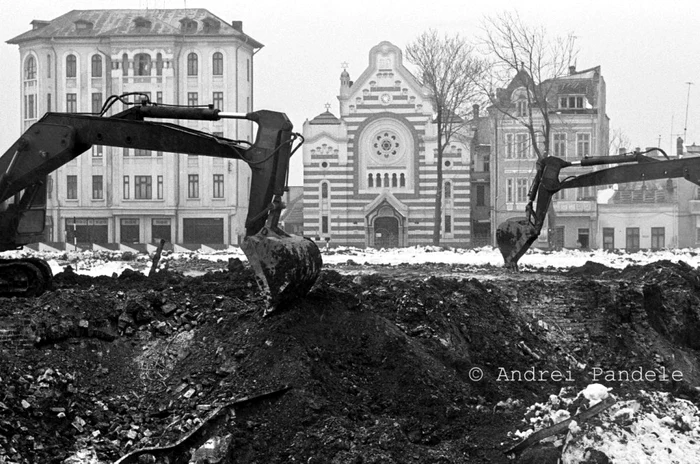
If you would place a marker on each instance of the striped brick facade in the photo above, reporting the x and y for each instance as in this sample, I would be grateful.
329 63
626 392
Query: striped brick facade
370 176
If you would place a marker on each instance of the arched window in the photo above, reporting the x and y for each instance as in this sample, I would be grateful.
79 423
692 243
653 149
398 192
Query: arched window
370 181
394 180
402 180
30 68
125 64
379 180
217 64
448 189
386 179
96 66
159 64
142 64
192 64
71 66
324 190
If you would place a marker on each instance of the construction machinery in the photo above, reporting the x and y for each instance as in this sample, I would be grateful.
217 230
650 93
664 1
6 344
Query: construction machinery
285 266
515 236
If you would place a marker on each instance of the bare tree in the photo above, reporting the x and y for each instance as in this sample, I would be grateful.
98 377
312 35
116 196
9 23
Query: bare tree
448 68
527 57
618 140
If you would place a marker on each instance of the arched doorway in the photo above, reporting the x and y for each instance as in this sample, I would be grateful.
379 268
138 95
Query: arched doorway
386 232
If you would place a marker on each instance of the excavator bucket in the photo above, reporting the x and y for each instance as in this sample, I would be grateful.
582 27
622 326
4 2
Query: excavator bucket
514 237
286 266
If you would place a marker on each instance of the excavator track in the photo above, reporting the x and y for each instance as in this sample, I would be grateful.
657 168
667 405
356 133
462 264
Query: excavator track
25 277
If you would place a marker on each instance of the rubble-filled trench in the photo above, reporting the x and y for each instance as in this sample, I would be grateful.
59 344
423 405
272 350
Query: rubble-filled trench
407 364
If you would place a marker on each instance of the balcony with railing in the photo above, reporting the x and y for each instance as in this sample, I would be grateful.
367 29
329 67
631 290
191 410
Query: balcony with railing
142 80
650 196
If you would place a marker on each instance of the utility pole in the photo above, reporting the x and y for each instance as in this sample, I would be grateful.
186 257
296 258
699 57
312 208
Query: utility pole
687 102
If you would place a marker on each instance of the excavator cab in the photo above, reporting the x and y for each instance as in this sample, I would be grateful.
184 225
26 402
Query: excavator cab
25 215
18 227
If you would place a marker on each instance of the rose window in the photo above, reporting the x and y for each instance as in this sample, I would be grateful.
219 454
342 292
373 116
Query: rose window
386 145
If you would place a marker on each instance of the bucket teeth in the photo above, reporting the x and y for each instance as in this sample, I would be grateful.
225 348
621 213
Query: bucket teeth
285 266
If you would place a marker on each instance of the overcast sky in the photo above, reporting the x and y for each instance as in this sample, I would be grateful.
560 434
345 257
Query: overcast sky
648 50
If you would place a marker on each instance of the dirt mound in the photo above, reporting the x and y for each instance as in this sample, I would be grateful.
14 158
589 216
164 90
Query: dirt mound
590 268
381 369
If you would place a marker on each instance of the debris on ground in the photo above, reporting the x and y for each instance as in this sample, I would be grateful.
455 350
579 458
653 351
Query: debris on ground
429 363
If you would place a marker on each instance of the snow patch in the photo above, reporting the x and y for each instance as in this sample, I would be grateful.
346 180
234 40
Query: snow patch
649 428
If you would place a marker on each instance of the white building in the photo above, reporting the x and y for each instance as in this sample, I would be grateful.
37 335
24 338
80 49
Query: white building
179 56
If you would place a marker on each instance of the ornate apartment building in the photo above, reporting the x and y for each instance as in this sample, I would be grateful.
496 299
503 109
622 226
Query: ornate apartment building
370 175
174 56
579 128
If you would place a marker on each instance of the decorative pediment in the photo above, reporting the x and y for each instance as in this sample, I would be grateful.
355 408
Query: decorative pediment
386 199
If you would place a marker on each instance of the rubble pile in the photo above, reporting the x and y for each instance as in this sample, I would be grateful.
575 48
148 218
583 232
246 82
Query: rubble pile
645 427
392 364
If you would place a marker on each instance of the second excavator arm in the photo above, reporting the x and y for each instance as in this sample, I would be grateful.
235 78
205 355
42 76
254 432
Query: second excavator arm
515 236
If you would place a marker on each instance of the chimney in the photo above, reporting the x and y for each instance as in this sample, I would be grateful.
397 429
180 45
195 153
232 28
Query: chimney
475 111
621 151
237 25
572 69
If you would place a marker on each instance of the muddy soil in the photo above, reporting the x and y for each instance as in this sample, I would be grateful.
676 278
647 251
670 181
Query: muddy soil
406 364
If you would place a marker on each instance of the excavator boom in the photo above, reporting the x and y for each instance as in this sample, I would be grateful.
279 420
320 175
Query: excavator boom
286 266
515 236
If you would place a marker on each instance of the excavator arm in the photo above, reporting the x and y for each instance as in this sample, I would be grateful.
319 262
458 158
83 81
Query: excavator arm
515 236
286 266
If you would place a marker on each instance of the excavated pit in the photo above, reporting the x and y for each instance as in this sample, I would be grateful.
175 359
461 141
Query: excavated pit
407 364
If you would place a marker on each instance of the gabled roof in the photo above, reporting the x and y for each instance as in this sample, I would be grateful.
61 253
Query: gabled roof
371 70
110 23
576 82
589 73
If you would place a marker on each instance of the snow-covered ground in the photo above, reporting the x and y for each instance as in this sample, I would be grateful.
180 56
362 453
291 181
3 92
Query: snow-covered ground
491 256
106 263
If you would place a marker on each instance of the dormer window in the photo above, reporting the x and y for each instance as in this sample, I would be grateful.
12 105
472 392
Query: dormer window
571 102
83 25
38 24
142 23
519 98
188 26
211 25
